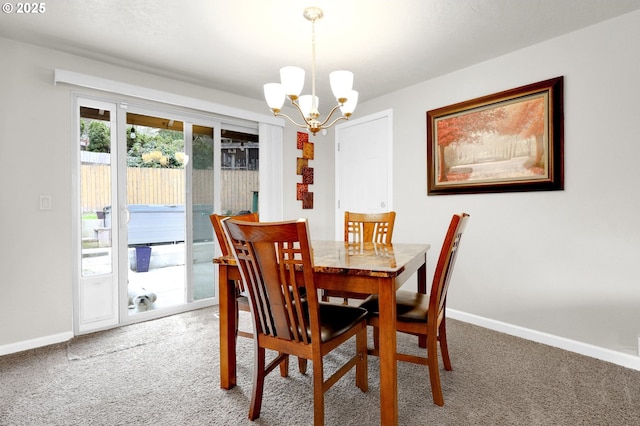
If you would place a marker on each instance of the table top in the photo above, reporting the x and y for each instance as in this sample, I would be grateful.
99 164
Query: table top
373 259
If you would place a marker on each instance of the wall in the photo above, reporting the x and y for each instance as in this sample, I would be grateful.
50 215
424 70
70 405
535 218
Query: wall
561 262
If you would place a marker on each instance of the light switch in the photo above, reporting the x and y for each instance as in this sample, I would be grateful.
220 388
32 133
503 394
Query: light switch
45 202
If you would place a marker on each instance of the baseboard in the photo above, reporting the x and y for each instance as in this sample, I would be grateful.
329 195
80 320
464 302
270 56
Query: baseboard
609 355
35 343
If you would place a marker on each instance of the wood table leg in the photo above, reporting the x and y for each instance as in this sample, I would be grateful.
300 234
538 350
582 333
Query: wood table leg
388 363
228 324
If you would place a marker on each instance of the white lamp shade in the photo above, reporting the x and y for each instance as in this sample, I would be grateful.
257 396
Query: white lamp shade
306 106
292 79
274 95
350 106
341 83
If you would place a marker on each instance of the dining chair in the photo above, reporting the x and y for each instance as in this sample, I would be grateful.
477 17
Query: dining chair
369 227
242 303
363 227
276 266
420 315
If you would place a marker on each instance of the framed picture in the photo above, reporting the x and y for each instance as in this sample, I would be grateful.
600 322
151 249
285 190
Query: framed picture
508 141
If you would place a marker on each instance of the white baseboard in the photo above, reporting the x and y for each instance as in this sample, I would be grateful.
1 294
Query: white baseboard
35 343
609 355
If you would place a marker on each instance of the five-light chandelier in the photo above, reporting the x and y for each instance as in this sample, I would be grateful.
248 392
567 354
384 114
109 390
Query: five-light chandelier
292 81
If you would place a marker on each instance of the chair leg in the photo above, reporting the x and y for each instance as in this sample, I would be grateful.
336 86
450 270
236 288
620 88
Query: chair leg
258 382
302 365
284 365
237 317
376 339
318 391
434 369
444 347
362 366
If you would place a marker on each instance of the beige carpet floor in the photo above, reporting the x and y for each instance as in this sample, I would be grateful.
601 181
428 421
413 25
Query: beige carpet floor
166 372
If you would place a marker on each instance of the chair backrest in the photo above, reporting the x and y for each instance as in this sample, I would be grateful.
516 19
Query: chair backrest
444 268
216 222
369 227
277 269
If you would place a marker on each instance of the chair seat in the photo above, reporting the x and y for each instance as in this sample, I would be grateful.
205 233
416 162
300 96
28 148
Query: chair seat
336 319
410 306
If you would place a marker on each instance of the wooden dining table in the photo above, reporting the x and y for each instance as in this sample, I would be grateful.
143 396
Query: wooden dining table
368 268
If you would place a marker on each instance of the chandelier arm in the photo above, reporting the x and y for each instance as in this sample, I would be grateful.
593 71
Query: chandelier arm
329 117
295 104
303 126
334 122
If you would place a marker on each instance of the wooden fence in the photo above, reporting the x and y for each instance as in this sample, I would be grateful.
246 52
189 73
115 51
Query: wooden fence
167 186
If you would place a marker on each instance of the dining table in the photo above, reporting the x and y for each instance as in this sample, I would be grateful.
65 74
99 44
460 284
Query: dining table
367 268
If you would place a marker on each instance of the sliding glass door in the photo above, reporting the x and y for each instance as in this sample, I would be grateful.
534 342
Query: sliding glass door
147 182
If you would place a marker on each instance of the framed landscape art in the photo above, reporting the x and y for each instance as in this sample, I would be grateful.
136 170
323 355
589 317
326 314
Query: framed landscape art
508 141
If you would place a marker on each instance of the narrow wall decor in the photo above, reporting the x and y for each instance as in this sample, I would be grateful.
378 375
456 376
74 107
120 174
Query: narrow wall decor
302 168
508 141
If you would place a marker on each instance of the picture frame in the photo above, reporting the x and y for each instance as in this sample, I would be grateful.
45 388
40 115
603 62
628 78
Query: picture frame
505 142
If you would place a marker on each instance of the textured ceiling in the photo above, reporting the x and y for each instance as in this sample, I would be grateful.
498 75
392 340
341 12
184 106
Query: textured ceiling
237 46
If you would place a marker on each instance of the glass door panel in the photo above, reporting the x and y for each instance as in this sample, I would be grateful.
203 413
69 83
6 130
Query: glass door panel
156 206
95 190
239 173
97 293
202 191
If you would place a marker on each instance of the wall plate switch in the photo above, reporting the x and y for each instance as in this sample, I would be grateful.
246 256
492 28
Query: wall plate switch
45 202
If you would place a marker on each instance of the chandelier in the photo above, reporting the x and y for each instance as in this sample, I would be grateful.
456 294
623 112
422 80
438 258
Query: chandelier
292 81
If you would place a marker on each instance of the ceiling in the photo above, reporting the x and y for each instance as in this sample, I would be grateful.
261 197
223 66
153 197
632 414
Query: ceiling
237 46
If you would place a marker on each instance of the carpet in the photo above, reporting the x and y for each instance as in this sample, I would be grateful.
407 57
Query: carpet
166 372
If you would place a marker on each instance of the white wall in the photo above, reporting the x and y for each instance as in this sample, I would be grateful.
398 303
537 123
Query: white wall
561 262
557 262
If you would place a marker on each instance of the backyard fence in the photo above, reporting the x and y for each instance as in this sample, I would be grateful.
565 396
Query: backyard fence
167 186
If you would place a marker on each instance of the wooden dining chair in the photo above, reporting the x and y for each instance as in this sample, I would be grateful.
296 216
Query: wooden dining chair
423 315
369 227
276 266
242 303
363 227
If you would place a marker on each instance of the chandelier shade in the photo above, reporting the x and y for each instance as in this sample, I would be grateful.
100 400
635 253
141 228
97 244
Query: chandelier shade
274 95
341 84
350 105
292 83
307 105
292 79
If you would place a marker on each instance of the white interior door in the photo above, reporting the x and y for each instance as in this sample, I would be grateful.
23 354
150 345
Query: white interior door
364 150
